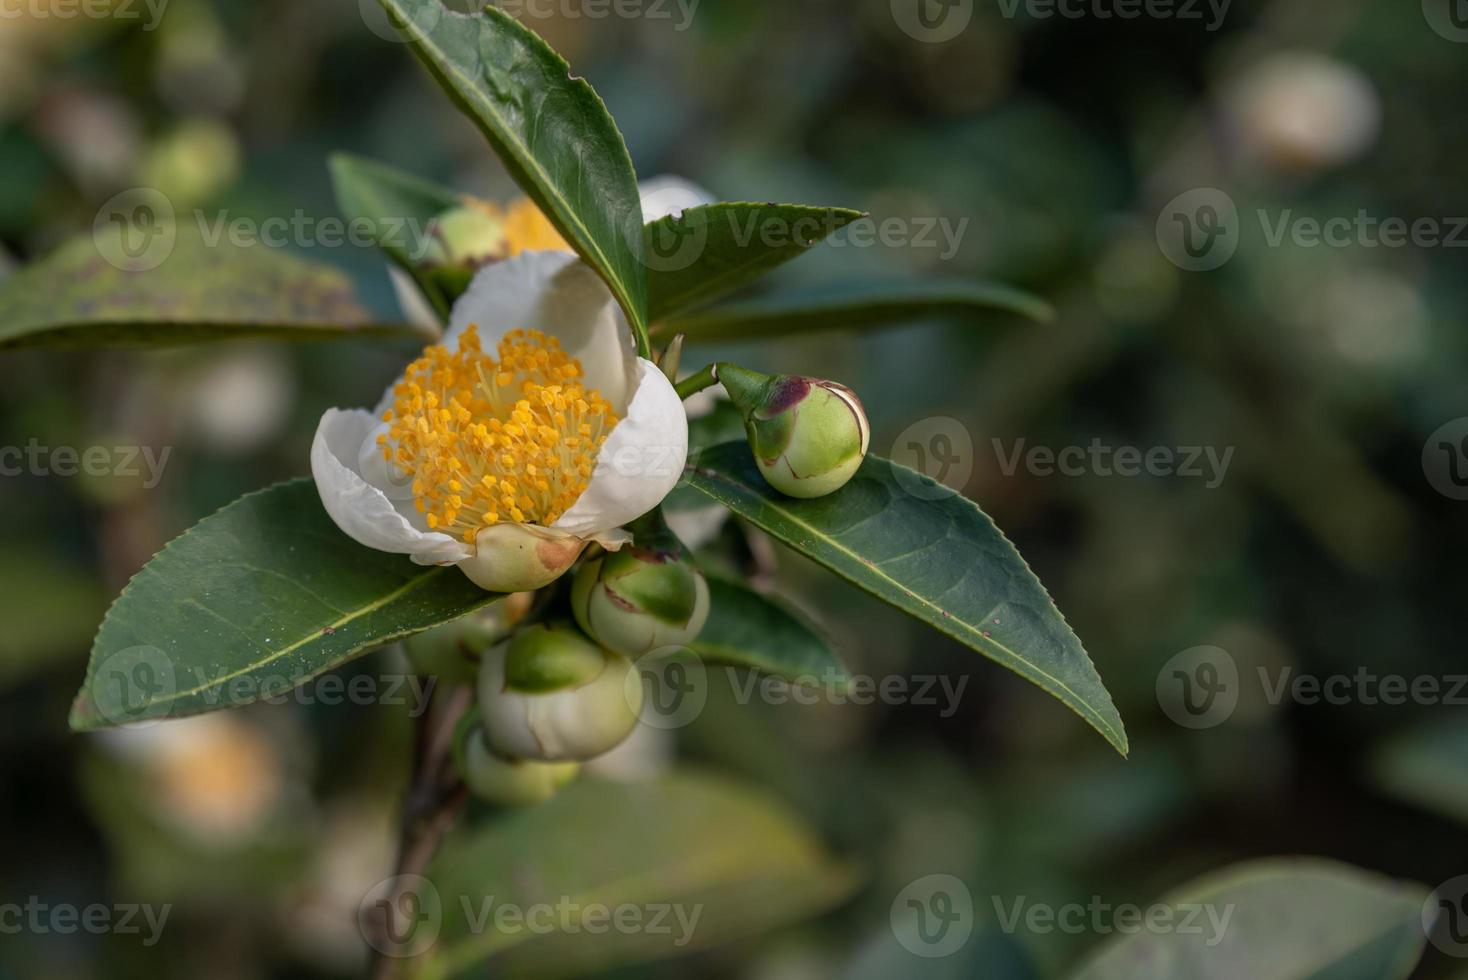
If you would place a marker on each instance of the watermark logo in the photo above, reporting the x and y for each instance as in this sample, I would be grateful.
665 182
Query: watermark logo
128 683
1445 459
1447 18
1199 688
1445 917
939 448
677 240
672 686
1198 230
933 917
134 231
932 21
401 916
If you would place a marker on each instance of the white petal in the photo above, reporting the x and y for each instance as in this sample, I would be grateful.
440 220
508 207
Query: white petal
415 307
385 476
557 294
663 196
640 462
360 509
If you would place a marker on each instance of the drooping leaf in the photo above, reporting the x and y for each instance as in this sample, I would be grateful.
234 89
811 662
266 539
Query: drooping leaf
399 209
687 845
746 629
551 131
857 306
189 290
250 602
929 552
1299 919
708 252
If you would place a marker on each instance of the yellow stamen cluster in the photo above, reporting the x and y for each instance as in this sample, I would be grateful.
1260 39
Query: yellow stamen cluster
529 230
490 439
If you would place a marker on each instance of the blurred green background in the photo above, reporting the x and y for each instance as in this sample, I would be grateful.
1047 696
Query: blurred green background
1327 548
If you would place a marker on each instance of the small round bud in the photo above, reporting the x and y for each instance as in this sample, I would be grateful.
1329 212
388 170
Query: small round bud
551 695
520 557
641 598
808 436
472 235
503 781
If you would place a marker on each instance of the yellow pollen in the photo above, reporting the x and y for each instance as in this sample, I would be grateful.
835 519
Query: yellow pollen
482 435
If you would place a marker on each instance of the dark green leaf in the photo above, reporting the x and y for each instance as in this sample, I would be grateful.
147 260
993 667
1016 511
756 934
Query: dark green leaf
708 252
551 131
932 554
400 209
746 629
857 306
741 860
201 291
1296 919
251 602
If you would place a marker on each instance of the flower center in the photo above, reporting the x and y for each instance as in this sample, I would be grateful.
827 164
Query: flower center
490 439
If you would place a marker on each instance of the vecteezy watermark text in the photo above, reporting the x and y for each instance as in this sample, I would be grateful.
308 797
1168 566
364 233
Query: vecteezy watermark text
1201 229
403 916
1213 11
1099 459
1099 917
129 462
38 917
1201 687
149 11
683 11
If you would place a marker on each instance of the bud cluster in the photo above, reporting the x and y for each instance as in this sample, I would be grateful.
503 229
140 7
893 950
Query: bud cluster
556 692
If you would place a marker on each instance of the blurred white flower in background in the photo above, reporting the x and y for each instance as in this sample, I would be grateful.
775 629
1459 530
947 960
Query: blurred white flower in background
216 777
1298 110
237 402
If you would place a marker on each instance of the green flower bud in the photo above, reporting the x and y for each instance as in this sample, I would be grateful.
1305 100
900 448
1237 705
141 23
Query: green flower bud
808 436
504 781
551 695
468 235
646 596
451 652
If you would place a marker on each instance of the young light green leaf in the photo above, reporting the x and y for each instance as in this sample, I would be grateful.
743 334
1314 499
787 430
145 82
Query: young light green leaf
708 252
929 552
251 602
746 629
1281 919
688 842
183 288
857 306
551 131
400 209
